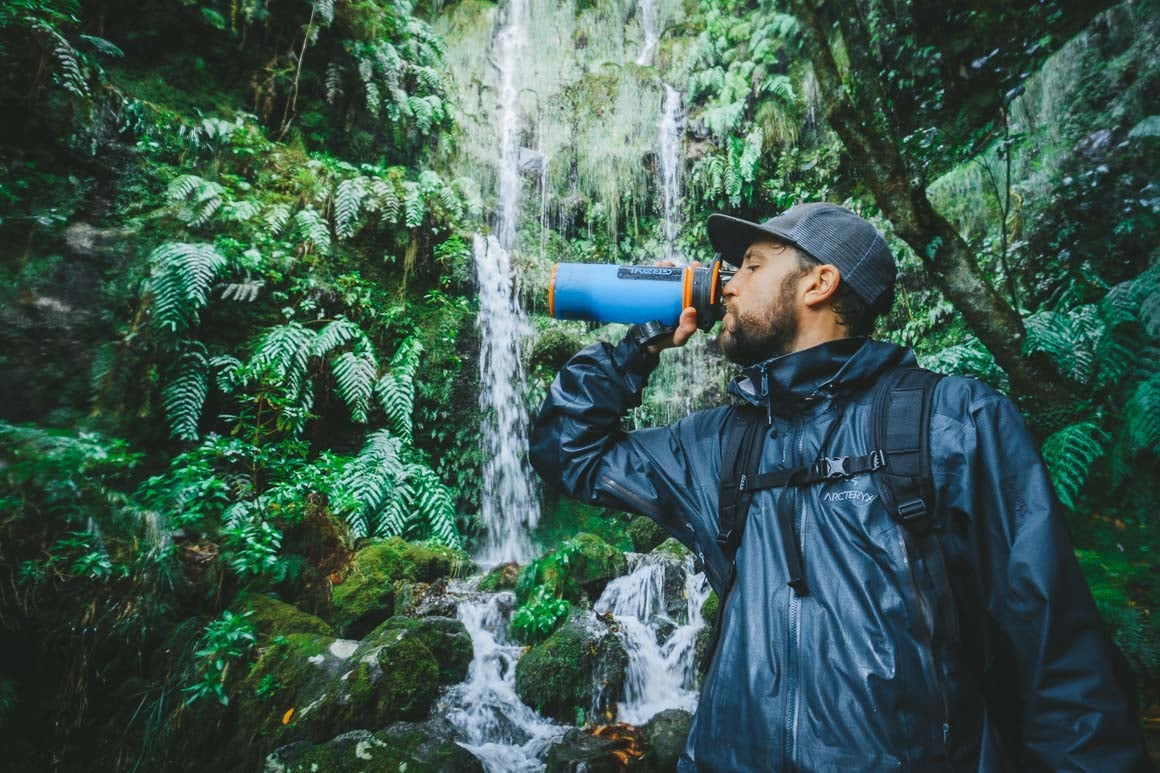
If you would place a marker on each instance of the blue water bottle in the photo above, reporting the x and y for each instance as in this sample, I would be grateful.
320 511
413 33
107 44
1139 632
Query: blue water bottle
596 292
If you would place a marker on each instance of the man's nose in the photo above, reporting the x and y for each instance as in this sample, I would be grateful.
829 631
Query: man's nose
731 287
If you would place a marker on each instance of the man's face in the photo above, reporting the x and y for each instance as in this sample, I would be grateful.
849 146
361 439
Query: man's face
761 319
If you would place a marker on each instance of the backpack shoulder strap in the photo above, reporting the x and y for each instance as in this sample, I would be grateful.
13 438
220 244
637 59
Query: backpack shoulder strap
740 457
900 415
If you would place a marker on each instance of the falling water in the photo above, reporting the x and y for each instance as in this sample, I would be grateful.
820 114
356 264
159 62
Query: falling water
661 668
648 19
499 729
508 501
671 131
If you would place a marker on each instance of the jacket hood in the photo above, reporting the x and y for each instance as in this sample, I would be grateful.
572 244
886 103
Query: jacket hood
824 370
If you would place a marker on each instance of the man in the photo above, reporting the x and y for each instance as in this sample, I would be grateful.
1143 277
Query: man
977 647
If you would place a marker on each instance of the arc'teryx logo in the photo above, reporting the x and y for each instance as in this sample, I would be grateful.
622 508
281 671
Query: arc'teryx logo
855 495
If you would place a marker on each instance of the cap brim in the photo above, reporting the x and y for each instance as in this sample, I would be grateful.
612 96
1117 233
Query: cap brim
731 236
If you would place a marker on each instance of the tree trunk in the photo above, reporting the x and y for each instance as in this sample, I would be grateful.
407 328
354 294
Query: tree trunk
856 112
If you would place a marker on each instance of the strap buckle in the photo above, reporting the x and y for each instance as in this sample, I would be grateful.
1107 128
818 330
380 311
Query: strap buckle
877 459
834 467
911 511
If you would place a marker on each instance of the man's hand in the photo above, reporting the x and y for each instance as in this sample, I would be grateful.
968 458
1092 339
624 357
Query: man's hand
686 326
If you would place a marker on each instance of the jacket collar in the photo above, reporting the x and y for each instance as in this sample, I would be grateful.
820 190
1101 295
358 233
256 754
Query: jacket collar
825 370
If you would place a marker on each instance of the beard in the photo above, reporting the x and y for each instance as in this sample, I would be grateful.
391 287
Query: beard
752 337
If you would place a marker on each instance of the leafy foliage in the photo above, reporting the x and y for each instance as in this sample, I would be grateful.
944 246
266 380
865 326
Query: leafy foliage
533 621
182 275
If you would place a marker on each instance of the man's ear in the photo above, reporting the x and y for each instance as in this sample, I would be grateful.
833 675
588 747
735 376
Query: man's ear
820 284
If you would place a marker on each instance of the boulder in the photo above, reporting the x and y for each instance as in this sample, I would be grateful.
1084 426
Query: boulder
578 673
446 638
310 687
665 736
578 569
582 751
503 577
645 534
366 595
425 599
705 635
427 746
271 617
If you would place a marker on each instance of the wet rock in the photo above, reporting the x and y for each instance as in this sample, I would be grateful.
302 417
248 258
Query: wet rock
503 577
705 635
310 687
645 534
446 638
665 736
578 569
271 617
579 671
427 746
366 596
581 751
425 599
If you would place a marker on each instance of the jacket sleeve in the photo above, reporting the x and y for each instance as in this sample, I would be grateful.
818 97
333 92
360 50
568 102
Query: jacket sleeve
578 447
1075 707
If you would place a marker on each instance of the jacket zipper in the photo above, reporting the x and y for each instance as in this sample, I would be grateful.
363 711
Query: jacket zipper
929 664
794 611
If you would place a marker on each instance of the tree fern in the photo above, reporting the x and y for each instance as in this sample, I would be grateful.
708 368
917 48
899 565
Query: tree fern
354 375
182 275
183 396
396 389
1070 454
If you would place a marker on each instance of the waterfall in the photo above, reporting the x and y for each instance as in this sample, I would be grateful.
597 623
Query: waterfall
661 666
500 730
648 20
508 500
671 131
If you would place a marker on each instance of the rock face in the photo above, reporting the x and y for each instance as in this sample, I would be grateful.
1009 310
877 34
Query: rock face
367 594
427 746
311 687
581 667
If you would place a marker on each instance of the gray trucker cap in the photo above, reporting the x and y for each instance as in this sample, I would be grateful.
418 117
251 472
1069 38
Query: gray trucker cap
829 233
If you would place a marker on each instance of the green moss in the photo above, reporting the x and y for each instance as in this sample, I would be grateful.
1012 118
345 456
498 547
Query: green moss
366 595
578 569
672 549
409 681
560 677
709 608
645 534
503 577
446 639
272 617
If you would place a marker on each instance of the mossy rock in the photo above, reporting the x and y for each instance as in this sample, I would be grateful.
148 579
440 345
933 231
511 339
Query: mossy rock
366 595
272 617
446 638
665 736
670 548
581 664
577 570
580 750
429 746
705 635
503 577
315 687
645 534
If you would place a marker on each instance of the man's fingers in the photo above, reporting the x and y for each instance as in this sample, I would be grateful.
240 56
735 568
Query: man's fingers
685 327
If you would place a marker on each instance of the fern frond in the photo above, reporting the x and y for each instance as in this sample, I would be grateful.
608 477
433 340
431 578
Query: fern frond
1142 417
413 205
1067 338
276 217
67 73
182 187
348 199
243 291
337 333
313 228
385 198
102 46
282 355
183 397
325 11
333 83
226 370
1070 454
354 375
241 211
433 503
396 388
182 275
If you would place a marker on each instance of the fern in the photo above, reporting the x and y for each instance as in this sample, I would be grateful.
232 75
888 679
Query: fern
282 356
338 333
413 205
277 218
242 291
182 275
68 73
369 480
395 389
201 198
1068 338
102 46
354 375
183 397
313 228
1142 417
348 199
1070 454
385 198
434 502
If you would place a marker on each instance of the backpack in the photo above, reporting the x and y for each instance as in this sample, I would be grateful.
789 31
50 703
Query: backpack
900 412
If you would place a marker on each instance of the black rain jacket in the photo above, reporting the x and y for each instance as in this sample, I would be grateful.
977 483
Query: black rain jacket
976 649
